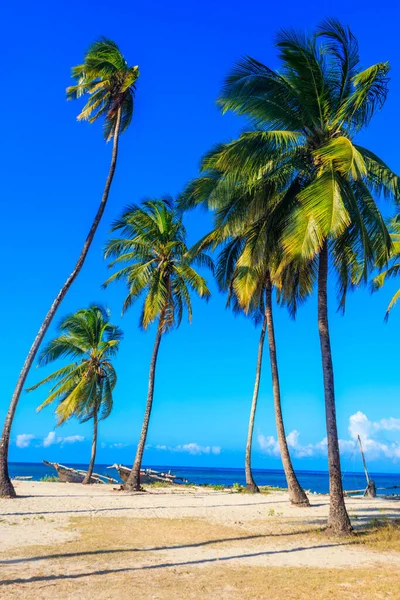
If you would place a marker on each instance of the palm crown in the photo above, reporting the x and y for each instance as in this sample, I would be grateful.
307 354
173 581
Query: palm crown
300 156
159 262
250 253
86 385
110 83
393 269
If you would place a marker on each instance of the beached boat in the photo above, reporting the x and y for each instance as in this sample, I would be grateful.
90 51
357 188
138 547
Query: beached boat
147 475
70 475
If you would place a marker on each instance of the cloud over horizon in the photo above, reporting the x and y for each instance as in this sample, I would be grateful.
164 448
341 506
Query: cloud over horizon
52 438
191 448
371 433
23 440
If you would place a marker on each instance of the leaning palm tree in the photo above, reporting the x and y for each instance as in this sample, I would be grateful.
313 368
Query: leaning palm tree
253 288
304 119
84 388
247 268
393 269
107 79
159 269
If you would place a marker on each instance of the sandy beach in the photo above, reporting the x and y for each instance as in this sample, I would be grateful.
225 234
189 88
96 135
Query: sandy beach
165 543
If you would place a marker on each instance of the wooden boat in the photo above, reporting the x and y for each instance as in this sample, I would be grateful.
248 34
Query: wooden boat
147 475
370 490
70 475
23 477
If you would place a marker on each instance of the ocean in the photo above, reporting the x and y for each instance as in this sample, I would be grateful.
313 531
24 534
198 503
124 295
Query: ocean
315 481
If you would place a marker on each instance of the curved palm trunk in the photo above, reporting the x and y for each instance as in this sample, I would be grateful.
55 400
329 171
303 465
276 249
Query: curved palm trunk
296 493
6 487
338 521
250 483
94 447
133 482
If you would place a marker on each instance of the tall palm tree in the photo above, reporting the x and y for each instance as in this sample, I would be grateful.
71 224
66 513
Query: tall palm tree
106 77
159 269
393 269
84 388
261 296
301 144
248 268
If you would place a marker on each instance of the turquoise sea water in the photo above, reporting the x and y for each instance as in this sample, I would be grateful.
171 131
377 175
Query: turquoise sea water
316 481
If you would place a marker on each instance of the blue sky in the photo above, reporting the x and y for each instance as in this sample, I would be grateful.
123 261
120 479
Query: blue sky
53 174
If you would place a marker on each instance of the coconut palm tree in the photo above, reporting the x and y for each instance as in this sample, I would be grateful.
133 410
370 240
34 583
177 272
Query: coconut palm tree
393 269
84 388
159 268
247 267
303 120
261 301
107 79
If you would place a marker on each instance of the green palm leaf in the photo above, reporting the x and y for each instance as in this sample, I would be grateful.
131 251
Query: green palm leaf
159 266
82 388
110 83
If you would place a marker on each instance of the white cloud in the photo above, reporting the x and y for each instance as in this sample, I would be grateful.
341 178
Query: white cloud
390 424
71 439
268 444
371 433
52 438
359 425
345 446
24 440
293 439
302 451
192 448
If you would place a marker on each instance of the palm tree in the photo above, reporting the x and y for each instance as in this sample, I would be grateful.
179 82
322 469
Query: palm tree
246 267
83 388
393 269
110 83
159 269
301 145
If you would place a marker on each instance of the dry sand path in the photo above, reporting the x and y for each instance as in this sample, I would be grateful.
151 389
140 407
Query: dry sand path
67 535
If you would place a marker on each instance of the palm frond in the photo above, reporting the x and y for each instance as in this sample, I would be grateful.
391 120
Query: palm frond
82 387
110 83
160 266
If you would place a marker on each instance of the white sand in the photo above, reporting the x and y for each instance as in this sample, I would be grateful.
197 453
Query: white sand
42 512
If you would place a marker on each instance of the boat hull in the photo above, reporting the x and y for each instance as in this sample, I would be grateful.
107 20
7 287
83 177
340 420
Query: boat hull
69 475
146 477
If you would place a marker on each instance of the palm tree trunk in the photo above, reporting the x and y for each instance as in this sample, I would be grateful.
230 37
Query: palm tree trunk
338 521
6 487
94 446
133 482
250 483
296 493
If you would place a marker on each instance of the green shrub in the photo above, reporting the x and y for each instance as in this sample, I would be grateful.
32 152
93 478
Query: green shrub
238 488
159 484
50 479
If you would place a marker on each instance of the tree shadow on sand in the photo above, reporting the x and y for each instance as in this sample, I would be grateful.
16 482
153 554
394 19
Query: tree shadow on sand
166 565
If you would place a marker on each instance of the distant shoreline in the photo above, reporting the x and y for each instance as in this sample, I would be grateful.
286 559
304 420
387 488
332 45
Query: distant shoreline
221 468
314 481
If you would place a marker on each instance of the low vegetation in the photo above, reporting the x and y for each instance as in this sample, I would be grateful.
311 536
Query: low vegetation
172 550
382 534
